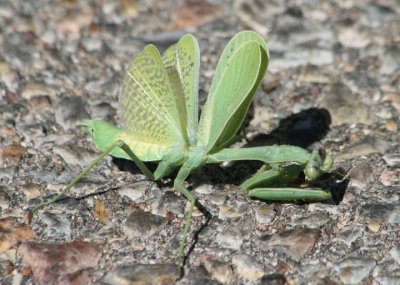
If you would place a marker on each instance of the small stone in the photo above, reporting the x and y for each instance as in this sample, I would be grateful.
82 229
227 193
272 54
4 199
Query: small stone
205 189
217 198
395 253
11 232
61 263
32 90
100 211
296 243
135 191
7 172
361 175
169 202
4 198
392 160
130 8
8 76
58 225
363 147
142 274
74 20
6 268
31 190
352 270
12 154
313 221
349 234
75 155
218 270
384 213
374 226
230 239
233 209
344 107
388 280
353 38
247 266
39 103
390 177
142 224
319 207
273 279
91 44
70 111
265 213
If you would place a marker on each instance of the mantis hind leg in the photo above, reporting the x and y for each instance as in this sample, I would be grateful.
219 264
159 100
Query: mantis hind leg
118 143
273 184
191 164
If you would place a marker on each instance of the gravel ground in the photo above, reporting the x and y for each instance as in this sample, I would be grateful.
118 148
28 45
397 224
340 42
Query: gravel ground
333 80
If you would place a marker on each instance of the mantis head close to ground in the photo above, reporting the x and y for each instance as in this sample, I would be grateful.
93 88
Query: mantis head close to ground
158 106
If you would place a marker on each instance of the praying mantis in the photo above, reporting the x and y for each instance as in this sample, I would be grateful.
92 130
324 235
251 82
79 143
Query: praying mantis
158 107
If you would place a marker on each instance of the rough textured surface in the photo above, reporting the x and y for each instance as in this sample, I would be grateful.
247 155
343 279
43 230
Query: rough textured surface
333 80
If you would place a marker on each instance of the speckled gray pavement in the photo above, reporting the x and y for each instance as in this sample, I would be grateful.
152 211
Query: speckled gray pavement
333 80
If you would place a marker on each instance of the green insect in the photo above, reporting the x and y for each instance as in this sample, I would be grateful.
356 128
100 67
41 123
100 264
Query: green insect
158 106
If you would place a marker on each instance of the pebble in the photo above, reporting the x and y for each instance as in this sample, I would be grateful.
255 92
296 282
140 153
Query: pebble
344 107
57 225
218 270
135 191
363 147
352 270
233 209
353 38
392 160
142 224
12 232
230 239
70 111
91 44
61 263
384 213
142 274
247 266
34 89
395 253
169 202
7 173
313 221
265 213
295 243
75 155
275 278
349 234
361 175
4 198
374 226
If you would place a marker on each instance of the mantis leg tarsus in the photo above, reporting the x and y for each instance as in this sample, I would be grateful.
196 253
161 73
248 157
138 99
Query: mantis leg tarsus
182 189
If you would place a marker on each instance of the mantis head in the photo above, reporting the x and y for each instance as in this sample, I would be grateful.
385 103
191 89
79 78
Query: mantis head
318 164
104 134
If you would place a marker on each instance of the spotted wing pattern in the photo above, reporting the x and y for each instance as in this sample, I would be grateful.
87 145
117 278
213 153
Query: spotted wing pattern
147 106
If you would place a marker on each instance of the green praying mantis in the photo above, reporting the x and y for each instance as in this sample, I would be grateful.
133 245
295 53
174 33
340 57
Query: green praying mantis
158 106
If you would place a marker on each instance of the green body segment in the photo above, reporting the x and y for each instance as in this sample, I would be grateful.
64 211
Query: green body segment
289 194
268 154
